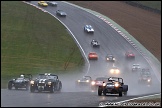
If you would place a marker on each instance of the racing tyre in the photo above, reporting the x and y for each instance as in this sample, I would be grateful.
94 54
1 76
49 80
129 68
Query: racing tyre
32 89
99 91
52 89
104 92
60 86
9 85
125 88
120 93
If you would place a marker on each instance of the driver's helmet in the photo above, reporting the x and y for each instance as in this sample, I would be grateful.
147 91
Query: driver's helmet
21 76
110 79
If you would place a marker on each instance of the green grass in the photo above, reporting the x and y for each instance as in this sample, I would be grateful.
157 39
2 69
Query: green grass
152 4
33 41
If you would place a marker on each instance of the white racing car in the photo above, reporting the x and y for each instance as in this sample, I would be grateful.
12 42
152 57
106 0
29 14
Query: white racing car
136 67
88 29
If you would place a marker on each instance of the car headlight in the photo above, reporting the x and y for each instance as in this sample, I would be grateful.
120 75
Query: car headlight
117 71
49 83
78 80
31 82
112 70
87 80
93 82
107 58
113 58
116 84
149 80
104 84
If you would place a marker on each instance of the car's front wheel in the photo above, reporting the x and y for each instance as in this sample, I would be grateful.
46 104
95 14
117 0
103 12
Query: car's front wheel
52 89
10 85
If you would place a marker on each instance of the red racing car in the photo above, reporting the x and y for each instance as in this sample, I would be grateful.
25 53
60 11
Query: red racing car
129 54
92 55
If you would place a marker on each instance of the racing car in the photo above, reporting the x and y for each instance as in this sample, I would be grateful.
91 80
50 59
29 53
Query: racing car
51 3
135 67
84 81
130 54
145 76
92 55
114 85
95 43
21 82
88 29
110 57
114 70
61 13
42 3
46 82
98 82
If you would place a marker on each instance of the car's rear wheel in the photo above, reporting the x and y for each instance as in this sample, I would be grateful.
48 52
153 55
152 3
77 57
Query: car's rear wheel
120 93
99 91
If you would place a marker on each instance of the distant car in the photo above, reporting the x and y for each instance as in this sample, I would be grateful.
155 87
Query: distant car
51 3
88 29
114 85
98 82
129 54
92 55
42 3
136 67
22 82
114 70
110 57
61 13
145 76
84 81
46 82
95 43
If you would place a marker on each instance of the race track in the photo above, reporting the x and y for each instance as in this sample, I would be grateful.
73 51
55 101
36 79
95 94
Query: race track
111 42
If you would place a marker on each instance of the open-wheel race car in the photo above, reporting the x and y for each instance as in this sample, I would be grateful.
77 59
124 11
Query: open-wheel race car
114 85
95 43
21 82
46 82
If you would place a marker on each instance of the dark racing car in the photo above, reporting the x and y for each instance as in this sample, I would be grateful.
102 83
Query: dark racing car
22 82
95 43
61 13
110 57
145 76
46 82
114 85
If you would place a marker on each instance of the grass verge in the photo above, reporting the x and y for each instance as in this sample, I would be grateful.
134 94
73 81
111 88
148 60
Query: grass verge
34 42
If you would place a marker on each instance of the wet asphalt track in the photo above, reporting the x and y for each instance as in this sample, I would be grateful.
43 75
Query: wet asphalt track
70 96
